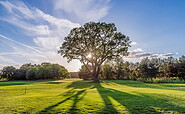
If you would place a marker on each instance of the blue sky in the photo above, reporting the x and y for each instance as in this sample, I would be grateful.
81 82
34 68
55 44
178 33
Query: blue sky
31 31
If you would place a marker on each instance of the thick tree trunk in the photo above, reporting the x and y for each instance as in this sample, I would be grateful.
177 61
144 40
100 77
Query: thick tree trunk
96 72
95 79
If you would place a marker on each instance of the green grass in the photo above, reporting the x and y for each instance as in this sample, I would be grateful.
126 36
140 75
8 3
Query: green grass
77 96
162 80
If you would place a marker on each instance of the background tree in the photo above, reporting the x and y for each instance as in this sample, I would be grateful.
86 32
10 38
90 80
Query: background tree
59 71
149 67
33 72
1 74
20 74
168 69
118 68
94 43
84 73
108 72
8 72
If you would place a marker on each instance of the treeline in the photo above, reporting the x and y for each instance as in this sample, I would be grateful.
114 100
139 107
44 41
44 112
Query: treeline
144 70
34 72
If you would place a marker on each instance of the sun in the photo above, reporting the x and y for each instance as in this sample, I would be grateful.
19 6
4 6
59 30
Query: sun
89 55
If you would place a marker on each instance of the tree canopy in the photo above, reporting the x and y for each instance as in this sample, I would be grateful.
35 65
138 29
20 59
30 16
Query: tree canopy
93 44
34 72
153 70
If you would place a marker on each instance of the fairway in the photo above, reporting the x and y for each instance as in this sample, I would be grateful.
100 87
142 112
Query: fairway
78 96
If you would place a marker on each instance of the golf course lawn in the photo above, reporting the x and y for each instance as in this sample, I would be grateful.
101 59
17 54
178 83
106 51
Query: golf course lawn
78 96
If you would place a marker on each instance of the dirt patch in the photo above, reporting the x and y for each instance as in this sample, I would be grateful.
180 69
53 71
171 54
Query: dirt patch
177 87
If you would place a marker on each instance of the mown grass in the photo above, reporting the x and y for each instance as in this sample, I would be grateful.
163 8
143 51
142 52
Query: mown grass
162 80
77 96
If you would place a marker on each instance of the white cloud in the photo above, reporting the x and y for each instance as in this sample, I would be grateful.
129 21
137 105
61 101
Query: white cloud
48 43
133 43
6 60
46 31
138 50
168 54
140 53
20 44
47 36
16 53
85 10
22 11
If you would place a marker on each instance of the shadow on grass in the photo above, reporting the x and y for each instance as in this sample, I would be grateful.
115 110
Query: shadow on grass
144 85
53 82
81 84
109 108
12 83
74 95
136 104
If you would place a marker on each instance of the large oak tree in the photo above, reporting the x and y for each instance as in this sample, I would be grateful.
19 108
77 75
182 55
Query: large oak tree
93 44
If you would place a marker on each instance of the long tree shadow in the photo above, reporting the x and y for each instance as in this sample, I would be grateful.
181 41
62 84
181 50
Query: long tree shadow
76 99
143 85
81 84
135 104
51 82
109 108
74 95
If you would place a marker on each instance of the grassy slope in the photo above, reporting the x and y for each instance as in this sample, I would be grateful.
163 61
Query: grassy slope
85 97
